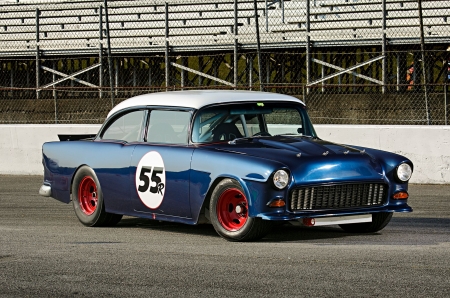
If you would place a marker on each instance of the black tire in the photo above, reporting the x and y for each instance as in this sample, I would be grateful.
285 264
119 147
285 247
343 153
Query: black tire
227 198
87 198
379 221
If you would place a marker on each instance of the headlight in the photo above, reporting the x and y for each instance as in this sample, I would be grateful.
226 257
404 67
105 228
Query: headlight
280 179
404 172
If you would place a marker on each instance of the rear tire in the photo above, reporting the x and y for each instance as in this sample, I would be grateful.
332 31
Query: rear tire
87 198
229 214
379 221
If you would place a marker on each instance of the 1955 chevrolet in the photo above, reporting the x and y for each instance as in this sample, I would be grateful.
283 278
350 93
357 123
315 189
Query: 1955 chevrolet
240 160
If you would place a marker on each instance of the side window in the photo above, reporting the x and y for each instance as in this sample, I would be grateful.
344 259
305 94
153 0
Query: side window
168 127
127 127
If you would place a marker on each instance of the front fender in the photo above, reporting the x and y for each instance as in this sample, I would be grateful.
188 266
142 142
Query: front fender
209 165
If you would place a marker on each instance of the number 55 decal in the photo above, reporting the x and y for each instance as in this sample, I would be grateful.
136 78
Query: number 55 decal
151 179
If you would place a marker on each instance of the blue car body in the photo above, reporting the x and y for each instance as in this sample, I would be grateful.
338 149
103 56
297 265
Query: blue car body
192 170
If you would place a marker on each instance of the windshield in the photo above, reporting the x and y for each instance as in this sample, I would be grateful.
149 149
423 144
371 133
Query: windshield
259 119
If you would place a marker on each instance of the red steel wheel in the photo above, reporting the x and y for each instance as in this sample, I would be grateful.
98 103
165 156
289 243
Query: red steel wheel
88 201
88 195
229 212
232 209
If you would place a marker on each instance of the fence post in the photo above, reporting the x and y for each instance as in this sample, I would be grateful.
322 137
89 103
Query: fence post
308 49
445 100
55 98
446 80
266 12
100 51
258 45
424 72
108 40
38 66
322 72
235 52
250 71
183 73
11 77
383 48
166 8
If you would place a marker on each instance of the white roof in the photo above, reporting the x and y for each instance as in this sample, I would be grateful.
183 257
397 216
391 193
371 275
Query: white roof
199 98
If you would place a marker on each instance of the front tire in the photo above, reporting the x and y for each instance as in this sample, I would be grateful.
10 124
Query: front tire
379 221
229 214
88 201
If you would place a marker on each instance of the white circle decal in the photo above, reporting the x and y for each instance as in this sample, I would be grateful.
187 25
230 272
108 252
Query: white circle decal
151 179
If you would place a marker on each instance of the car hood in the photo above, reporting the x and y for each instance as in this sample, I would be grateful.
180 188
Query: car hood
311 159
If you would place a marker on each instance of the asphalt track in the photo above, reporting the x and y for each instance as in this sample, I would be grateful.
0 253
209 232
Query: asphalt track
46 252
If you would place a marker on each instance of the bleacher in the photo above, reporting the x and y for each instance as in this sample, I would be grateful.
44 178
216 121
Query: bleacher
68 27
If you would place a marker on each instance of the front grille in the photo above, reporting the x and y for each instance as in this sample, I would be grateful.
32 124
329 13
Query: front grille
338 196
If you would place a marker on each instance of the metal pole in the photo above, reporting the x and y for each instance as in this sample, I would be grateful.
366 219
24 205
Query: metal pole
100 52
424 72
28 76
445 100
134 69
446 79
322 70
150 65
13 65
383 48
200 68
266 12
108 40
398 72
250 71
235 53
258 45
308 49
166 7
38 77
54 93
116 72
183 73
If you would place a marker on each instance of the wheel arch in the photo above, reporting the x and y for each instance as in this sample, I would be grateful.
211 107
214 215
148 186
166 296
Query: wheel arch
74 174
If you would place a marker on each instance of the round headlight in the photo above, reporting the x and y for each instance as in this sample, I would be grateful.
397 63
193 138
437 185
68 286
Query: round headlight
404 172
280 179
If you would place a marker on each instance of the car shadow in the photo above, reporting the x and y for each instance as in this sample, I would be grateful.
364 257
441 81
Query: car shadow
289 233
201 230
280 233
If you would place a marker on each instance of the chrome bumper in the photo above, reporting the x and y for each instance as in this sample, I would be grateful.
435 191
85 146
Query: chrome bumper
45 191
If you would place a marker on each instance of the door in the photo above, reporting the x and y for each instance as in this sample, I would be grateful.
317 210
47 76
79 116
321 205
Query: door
160 166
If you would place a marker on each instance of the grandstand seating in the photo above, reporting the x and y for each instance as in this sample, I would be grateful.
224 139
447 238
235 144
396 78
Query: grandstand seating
73 26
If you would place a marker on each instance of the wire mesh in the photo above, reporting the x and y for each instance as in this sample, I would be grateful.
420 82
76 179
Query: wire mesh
358 62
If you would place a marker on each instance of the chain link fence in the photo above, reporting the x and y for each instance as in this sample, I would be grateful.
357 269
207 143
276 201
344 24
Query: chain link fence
352 62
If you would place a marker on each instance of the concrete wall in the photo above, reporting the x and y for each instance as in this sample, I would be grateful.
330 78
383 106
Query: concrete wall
21 145
427 146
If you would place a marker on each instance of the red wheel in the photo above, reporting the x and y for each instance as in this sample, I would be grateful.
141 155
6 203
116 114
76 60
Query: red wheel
232 209
229 213
88 195
88 200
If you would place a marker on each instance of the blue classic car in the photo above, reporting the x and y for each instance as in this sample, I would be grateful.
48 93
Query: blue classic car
239 160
